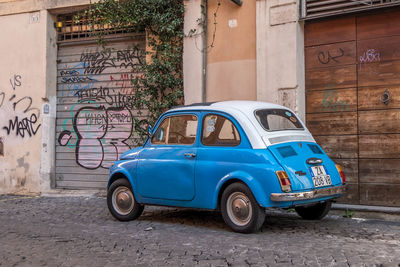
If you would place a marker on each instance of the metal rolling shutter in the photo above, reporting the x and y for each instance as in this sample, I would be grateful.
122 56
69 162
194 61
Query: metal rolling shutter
312 9
94 109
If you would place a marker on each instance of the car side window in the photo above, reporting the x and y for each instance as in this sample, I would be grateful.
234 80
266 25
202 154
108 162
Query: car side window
176 130
219 131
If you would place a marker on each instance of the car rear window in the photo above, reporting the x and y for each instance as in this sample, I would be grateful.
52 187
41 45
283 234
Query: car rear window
278 120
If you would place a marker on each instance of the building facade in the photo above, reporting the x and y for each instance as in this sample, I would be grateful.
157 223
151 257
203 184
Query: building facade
333 62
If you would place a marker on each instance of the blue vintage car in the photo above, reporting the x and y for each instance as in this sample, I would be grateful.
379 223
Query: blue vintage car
238 157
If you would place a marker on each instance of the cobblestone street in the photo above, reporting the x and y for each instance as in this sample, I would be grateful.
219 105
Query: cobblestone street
79 231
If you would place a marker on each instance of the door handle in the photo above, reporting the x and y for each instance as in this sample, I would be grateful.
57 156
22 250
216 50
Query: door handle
189 155
385 97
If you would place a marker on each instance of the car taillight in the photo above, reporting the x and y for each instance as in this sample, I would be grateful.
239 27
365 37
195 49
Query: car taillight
341 173
284 181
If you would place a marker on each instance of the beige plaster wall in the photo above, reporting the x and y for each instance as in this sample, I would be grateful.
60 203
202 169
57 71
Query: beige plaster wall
23 6
280 54
231 56
22 87
193 53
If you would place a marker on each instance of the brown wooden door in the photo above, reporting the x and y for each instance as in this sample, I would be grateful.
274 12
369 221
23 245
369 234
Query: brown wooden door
353 101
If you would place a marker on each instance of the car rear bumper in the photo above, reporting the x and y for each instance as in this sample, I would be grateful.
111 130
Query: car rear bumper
317 193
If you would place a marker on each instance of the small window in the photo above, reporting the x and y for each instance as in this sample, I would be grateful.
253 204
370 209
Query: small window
219 131
278 120
176 130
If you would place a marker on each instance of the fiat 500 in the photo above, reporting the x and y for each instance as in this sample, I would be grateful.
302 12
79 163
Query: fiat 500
238 157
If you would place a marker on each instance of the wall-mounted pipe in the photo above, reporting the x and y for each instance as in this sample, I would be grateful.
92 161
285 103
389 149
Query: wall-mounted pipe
204 88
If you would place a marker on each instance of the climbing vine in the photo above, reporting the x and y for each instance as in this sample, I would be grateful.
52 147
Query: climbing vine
160 85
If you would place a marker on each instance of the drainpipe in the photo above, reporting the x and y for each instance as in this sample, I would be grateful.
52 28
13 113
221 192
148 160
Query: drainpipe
204 89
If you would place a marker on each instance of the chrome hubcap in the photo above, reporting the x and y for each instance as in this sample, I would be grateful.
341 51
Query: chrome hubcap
123 200
239 208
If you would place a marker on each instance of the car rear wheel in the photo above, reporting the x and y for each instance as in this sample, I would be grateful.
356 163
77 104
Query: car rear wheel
314 212
121 201
240 210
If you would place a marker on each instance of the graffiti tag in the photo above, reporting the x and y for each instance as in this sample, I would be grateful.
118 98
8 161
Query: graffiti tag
331 102
371 55
326 57
22 125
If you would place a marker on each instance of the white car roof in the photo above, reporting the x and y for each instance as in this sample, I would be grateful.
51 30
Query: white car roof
243 112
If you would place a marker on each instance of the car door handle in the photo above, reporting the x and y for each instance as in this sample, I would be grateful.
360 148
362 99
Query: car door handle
189 155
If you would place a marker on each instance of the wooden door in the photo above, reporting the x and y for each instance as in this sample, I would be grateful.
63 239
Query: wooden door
378 53
352 68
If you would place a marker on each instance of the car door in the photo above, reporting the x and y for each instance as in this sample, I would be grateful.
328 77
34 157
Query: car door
166 164
222 150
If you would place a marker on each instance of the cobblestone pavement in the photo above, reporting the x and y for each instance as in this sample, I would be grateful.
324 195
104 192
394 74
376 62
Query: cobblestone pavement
79 231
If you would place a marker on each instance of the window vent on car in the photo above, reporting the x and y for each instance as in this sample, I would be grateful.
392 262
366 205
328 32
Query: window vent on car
281 139
286 151
315 149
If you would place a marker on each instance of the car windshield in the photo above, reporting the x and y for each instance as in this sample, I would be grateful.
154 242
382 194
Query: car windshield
278 120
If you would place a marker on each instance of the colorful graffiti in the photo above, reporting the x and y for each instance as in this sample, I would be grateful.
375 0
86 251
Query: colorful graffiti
100 124
331 102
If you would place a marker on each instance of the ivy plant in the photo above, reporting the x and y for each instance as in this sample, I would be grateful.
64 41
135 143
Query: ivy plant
160 85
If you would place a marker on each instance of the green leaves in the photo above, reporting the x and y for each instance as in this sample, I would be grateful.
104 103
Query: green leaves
160 87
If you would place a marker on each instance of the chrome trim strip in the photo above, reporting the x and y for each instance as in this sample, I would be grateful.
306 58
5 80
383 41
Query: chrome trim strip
314 161
325 192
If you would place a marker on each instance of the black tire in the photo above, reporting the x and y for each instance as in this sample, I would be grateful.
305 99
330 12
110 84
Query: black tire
252 216
314 212
121 201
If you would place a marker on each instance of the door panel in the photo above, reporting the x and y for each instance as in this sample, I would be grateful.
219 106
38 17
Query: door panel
331 55
330 31
331 124
380 171
339 146
379 73
380 146
378 25
166 164
369 98
325 78
332 100
379 121
164 172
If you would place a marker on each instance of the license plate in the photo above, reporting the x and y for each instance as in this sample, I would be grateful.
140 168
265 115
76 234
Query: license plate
319 176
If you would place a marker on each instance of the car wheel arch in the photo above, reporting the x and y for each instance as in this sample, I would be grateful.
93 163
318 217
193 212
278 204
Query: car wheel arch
120 175
251 183
224 186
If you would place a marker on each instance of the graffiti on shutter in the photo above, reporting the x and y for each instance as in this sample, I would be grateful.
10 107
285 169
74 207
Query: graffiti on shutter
95 110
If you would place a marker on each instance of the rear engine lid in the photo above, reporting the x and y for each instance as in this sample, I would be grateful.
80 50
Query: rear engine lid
306 164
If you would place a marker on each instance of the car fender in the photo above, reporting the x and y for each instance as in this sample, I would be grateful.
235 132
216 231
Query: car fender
123 172
255 187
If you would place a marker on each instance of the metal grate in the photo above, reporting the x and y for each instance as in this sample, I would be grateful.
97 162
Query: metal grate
311 9
69 29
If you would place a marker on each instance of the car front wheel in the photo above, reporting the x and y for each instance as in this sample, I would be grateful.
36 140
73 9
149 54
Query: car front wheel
121 201
314 212
240 210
